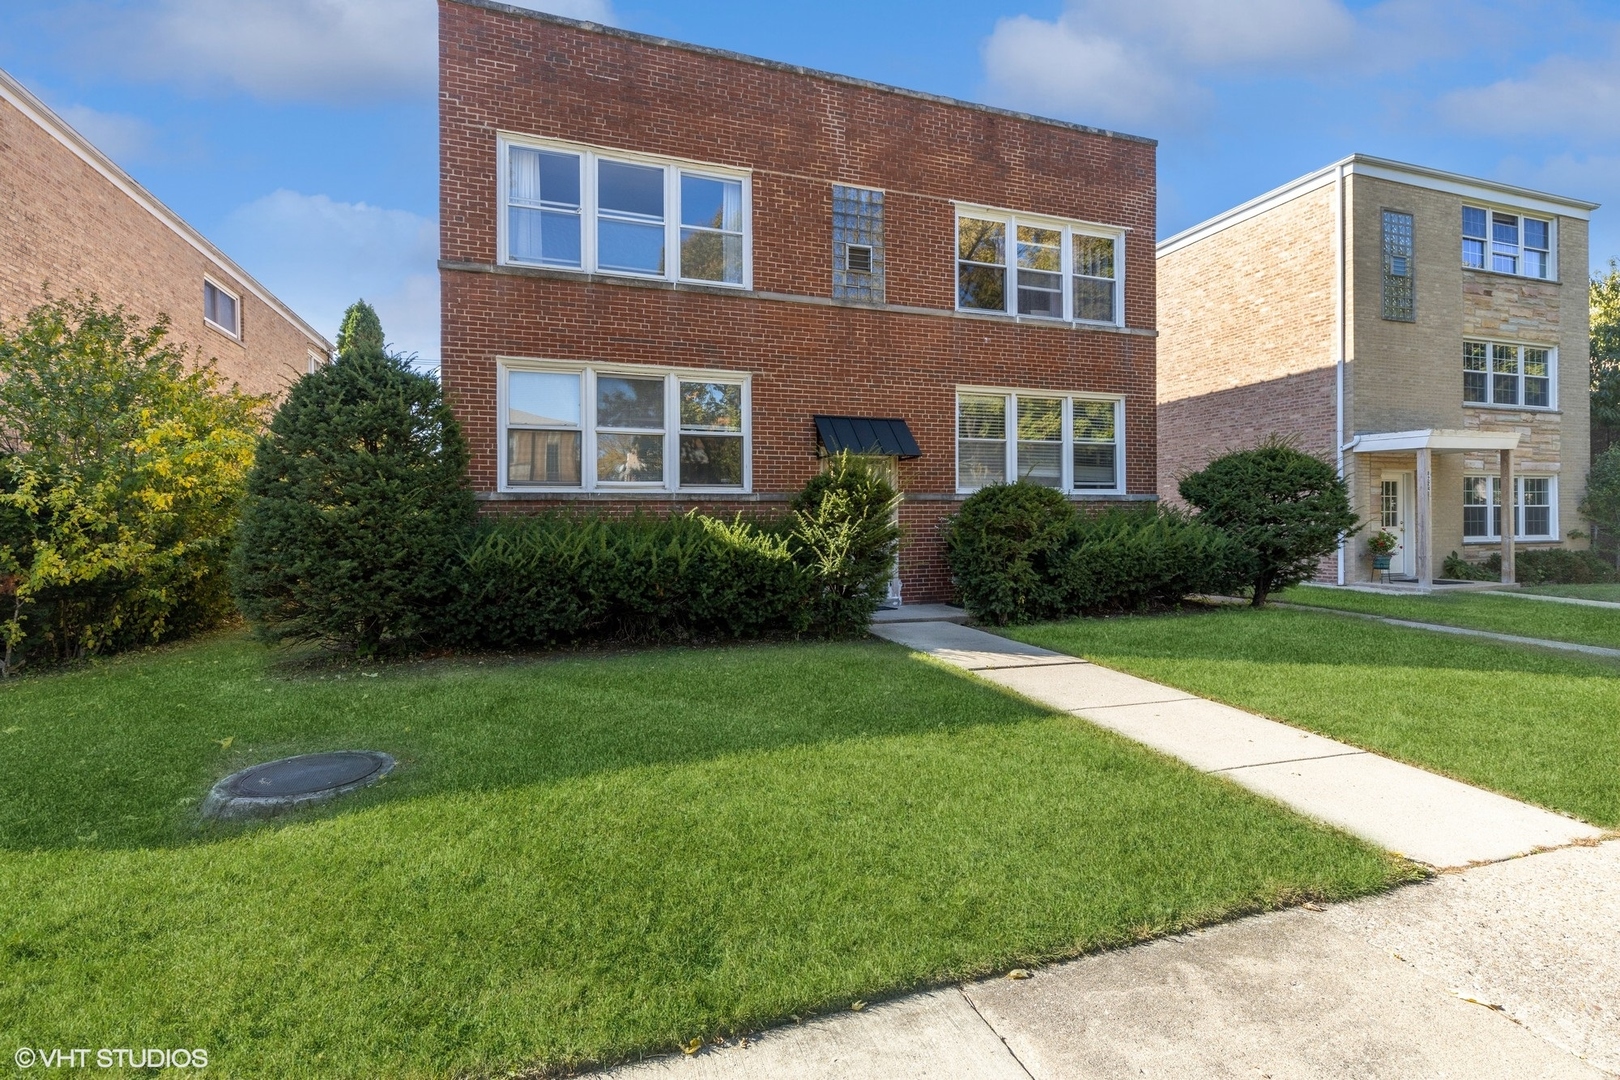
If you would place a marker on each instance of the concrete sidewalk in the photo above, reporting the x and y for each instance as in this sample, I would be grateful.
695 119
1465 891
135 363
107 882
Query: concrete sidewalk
1428 818
1500 972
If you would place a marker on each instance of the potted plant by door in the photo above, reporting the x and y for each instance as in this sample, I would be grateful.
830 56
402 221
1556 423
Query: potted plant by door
1382 545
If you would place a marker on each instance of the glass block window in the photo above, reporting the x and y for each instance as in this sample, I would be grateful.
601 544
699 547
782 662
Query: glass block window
1400 304
1495 373
1506 243
858 257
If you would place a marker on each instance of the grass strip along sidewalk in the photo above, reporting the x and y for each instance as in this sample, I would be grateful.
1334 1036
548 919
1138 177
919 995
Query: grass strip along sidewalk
1538 726
1605 593
1475 611
581 859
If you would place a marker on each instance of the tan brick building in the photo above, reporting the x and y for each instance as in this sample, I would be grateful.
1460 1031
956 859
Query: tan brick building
71 220
1427 332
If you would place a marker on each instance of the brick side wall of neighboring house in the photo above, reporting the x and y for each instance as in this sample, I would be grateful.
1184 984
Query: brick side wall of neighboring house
1246 320
66 226
799 133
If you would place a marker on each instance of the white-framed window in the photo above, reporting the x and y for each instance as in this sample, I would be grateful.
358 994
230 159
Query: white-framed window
579 427
1502 373
1016 264
1071 442
1507 242
1535 511
222 309
316 362
574 207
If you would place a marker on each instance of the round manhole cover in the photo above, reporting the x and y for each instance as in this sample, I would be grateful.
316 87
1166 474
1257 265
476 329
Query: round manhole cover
277 786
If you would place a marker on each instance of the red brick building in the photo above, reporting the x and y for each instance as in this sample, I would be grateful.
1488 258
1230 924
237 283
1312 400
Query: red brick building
676 277
72 221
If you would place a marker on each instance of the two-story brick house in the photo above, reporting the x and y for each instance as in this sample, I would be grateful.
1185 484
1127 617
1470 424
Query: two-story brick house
675 277
73 221
1428 332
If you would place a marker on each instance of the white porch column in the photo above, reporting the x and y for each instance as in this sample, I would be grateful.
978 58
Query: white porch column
1509 517
1423 533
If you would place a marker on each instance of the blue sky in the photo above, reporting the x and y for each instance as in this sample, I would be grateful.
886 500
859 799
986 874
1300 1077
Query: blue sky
300 134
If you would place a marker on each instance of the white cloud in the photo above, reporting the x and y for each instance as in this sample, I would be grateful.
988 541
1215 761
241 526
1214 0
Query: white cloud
1562 95
299 50
320 255
125 139
1137 62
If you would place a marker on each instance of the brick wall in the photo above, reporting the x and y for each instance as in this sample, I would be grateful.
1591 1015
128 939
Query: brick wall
799 133
65 226
1246 320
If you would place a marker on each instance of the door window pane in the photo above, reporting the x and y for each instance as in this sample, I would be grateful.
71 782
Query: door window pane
549 458
624 402
1040 272
1389 516
981 264
1040 440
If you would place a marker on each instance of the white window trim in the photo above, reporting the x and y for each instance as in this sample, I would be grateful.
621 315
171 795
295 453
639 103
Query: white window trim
589 156
588 374
1521 214
1069 228
236 298
1066 455
1495 536
1490 375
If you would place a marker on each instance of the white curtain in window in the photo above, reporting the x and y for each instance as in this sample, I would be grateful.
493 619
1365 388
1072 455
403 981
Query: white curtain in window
525 175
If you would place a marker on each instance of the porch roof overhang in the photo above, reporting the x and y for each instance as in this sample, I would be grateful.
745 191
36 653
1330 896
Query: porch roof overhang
1439 439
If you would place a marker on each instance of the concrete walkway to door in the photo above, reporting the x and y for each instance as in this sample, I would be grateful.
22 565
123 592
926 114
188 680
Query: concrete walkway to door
1427 818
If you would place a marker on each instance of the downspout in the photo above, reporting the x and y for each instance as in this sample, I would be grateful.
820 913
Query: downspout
1339 332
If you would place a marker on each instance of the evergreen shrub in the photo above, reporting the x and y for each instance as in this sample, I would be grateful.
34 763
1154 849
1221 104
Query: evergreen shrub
1021 552
1537 566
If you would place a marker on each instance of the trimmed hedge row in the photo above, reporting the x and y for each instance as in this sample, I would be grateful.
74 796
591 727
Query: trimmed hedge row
1543 566
1020 553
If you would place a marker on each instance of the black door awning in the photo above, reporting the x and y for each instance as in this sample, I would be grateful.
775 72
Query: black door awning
884 437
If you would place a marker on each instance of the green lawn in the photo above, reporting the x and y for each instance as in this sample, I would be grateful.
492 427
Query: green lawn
1476 610
583 858
1537 725
1607 593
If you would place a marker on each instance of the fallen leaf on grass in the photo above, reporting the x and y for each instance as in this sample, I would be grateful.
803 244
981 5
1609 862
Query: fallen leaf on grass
692 1047
1312 905
225 743
1018 973
12 730
856 1006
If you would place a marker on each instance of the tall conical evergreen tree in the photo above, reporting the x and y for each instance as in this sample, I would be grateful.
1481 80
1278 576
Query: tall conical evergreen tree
361 330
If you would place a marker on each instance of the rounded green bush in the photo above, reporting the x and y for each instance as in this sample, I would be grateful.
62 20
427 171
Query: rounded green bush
1004 547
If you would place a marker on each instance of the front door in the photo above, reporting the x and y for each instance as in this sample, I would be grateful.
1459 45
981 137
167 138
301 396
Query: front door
1394 511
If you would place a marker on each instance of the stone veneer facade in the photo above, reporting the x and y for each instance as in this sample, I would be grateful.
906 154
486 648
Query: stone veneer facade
1248 318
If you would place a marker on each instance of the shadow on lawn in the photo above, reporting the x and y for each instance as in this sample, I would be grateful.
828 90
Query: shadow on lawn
1284 636
121 758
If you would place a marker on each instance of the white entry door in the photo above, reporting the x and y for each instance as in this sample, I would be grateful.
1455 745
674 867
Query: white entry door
1394 511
